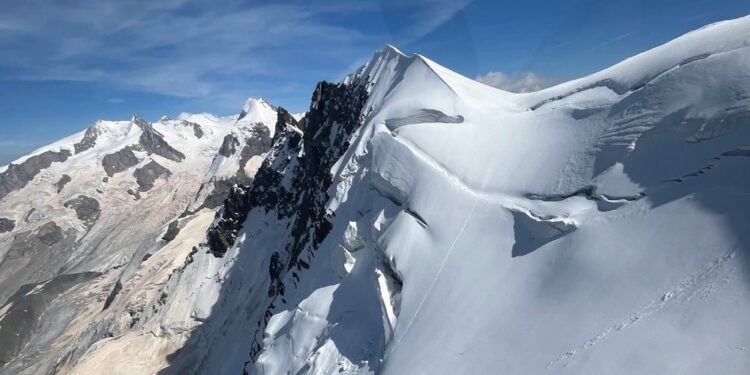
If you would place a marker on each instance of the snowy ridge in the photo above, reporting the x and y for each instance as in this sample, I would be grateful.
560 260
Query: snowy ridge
634 72
468 230
416 221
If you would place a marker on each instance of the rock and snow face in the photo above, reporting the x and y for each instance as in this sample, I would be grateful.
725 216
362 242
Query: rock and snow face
592 227
82 227
416 221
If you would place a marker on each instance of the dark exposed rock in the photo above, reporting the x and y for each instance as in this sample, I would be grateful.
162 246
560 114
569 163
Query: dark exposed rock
172 231
229 146
335 113
88 141
6 225
268 191
292 184
120 161
304 199
105 179
112 294
153 142
28 215
63 181
258 144
221 236
275 269
134 193
26 308
49 233
221 191
150 141
146 175
87 209
197 130
18 176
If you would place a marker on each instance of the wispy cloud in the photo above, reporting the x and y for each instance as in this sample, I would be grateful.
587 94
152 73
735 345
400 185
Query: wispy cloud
522 82
425 16
181 48
615 39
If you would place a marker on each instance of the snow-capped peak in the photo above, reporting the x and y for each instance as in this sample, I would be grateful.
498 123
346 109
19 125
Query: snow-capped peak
256 109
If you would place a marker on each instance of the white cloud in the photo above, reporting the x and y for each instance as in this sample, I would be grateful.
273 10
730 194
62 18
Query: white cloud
186 48
211 52
426 15
522 82
616 38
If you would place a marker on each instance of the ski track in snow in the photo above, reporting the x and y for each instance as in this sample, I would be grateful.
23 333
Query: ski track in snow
437 274
701 285
504 200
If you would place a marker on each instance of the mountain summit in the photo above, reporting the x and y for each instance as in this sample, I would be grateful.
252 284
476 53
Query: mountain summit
412 221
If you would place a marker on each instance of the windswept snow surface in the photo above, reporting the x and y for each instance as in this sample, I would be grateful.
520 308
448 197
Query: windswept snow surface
594 227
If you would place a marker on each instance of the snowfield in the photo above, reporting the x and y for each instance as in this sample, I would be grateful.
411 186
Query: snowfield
594 227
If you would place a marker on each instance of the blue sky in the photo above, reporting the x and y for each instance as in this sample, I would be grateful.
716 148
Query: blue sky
65 64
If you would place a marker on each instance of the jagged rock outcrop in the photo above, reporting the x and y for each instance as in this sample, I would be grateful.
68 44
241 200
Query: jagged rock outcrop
197 130
335 113
153 142
222 235
120 161
60 184
49 234
172 231
229 145
18 175
6 225
146 176
87 209
89 139
256 145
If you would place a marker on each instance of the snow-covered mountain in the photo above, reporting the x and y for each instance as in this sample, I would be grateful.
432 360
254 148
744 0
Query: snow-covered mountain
83 216
413 222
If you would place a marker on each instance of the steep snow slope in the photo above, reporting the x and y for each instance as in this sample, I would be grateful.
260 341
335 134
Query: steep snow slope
418 222
594 227
88 218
